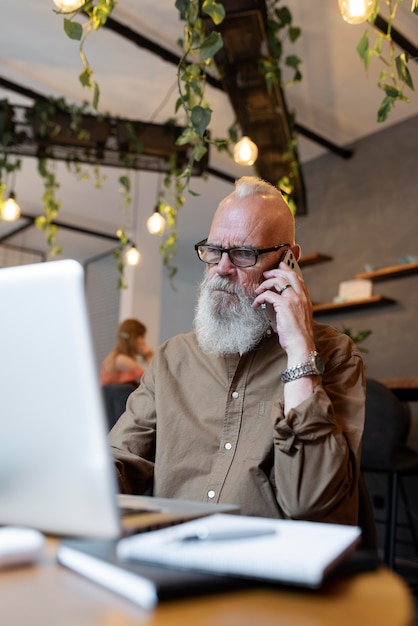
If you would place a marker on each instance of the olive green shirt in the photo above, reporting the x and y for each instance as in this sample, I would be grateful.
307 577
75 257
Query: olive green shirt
213 429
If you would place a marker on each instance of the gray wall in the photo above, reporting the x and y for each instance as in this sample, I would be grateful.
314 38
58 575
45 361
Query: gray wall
365 210
103 304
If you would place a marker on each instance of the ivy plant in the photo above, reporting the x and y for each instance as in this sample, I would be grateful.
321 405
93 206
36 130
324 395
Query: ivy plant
395 77
97 13
50 118
357 337
51 205
199 50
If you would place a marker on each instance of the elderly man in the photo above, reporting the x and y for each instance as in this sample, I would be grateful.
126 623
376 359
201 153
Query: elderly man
259 406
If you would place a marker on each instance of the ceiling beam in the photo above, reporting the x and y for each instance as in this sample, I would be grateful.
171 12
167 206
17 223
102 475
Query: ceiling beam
109 141
30 221
261 113
143 42
20 89
33 95
19 229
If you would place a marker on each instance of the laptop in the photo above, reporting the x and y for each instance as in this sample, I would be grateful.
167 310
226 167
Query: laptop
56 469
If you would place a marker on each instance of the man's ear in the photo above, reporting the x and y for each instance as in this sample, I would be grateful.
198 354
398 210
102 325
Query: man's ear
296 250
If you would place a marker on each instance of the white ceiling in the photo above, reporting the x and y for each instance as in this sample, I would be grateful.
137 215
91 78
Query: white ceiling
336 99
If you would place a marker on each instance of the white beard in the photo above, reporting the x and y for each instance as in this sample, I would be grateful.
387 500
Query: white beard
224 321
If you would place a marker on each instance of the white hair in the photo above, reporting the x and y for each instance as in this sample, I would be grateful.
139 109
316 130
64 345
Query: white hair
225 322
251 186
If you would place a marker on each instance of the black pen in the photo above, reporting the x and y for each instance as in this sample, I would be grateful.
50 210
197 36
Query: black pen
227 535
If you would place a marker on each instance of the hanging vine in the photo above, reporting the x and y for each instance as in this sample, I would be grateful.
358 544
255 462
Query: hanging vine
51 204
98 13
395 77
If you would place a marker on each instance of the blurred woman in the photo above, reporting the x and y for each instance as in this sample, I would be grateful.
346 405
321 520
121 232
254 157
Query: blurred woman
121 365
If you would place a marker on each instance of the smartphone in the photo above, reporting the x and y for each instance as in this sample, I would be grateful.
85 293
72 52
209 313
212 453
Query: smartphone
289 259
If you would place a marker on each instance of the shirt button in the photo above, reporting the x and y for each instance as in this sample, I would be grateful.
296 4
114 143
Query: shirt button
228 446
235 394
211 494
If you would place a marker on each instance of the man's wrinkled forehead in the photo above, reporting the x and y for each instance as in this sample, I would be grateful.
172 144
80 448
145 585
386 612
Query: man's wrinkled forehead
254 221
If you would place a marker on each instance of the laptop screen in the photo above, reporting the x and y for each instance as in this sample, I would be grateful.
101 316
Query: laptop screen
56 472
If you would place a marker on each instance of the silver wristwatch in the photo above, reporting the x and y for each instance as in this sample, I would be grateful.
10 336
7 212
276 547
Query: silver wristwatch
312 367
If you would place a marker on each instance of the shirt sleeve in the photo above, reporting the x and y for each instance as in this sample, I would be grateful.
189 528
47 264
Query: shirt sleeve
318 447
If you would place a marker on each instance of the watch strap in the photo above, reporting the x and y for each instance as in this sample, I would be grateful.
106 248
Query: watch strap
308 368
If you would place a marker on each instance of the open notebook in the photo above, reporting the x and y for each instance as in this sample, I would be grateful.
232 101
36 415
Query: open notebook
212 554
56 471
282 551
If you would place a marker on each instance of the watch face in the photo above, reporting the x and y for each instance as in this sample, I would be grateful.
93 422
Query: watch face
318 362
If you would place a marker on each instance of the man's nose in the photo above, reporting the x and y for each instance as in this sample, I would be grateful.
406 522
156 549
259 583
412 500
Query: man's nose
225 266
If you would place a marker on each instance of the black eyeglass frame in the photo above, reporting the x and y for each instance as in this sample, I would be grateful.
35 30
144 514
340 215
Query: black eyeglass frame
257 252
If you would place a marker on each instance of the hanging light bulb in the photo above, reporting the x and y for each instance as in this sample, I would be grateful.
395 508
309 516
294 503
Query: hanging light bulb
10 210
356 11
132 256
245 151
156 223
68 6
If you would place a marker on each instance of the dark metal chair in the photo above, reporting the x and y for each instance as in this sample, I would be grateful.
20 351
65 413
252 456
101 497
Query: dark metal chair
115 397
366 519
385 450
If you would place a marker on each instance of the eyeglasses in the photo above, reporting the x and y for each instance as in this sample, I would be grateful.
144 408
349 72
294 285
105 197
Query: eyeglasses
240 257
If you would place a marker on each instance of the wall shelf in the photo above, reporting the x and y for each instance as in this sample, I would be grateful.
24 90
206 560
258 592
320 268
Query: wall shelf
313 259
328 308
394 271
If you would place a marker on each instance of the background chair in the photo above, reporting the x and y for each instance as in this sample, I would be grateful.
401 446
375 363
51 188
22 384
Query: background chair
385 450
366 519
115 397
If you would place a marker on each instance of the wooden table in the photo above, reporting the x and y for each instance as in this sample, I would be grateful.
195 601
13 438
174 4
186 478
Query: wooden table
405 388
50 595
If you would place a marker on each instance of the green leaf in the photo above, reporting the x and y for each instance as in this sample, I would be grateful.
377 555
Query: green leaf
275 46
404 74
85 76
284 16
392 92
73 30
187 136
200 118
40 222
125 182
215 11
294 33
384 109
363 49
198 152
210 46
383 75
178 104
293 61
96 96
182 7
378 45
190 73
414 7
